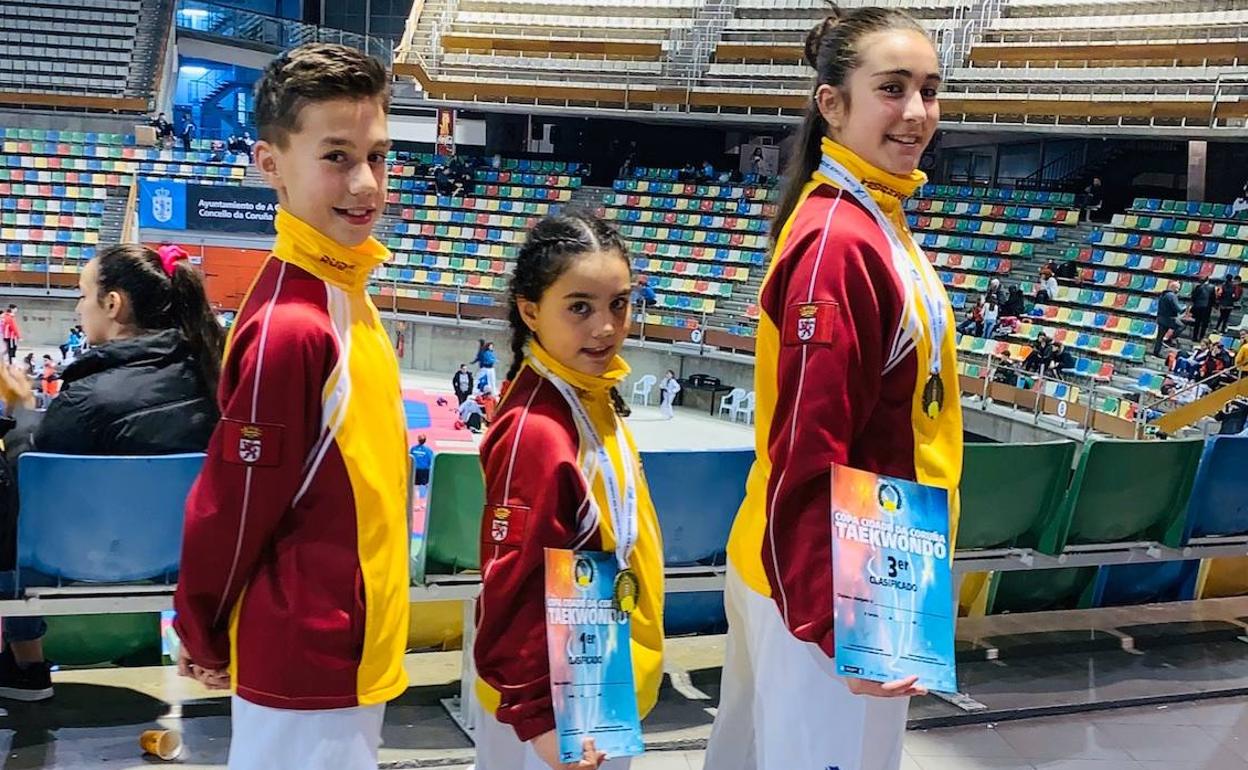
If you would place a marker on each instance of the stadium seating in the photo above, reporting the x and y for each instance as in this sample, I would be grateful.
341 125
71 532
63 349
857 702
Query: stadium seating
1219 501
134 530
71 47
1010 515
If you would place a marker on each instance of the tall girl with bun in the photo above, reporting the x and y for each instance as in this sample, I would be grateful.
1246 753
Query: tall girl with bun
855 365
561 471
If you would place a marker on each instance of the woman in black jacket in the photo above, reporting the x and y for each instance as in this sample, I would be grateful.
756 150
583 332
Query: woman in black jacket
147 386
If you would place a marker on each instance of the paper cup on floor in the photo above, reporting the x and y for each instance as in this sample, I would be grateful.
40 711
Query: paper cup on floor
166 744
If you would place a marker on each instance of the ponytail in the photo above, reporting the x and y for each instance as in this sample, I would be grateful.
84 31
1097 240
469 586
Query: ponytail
192 314
809 151
165 292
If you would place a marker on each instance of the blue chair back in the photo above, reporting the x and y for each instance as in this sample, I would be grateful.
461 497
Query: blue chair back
1126 584
102 519
1219 502
696 495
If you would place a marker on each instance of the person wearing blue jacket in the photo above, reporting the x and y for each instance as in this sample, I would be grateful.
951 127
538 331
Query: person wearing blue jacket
485 361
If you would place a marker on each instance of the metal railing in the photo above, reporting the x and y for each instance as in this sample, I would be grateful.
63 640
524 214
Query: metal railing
1193 387
237 23
1039 380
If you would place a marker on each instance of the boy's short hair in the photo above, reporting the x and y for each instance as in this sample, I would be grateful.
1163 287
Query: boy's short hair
315 72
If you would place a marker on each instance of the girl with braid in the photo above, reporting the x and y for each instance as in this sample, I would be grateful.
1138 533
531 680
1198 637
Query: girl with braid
561 471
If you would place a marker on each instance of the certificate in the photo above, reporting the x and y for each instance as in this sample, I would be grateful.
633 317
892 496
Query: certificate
591 666
892 579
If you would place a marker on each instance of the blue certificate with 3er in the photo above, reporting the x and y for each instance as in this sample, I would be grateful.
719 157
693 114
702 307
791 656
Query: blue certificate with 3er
892 580
591 668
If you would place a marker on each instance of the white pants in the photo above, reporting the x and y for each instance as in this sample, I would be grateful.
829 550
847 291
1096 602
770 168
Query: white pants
264 738
665 405
491 378
498 748
782 705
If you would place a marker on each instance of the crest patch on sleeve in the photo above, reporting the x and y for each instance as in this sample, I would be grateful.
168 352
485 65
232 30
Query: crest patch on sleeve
504 525
809 323
251 443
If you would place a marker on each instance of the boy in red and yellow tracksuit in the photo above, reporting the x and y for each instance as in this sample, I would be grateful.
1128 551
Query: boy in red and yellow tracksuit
294 584
534 485
843 373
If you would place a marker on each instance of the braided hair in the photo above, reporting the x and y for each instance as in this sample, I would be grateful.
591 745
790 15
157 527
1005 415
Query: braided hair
551 246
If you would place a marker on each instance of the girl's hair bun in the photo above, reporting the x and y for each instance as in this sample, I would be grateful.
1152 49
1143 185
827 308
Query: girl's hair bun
821 32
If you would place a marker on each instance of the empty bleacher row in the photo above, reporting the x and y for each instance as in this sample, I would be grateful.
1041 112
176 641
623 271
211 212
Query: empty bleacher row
81 53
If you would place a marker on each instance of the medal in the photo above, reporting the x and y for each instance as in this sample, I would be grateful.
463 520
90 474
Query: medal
933 396
626 590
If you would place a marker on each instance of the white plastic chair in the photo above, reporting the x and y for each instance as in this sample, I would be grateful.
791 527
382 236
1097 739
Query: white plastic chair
728 404
745 409
643 387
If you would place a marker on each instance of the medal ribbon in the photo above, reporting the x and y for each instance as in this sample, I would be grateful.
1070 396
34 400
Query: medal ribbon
917 281
621 493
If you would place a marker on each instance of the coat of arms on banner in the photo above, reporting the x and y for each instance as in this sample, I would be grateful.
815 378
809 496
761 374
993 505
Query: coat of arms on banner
162 205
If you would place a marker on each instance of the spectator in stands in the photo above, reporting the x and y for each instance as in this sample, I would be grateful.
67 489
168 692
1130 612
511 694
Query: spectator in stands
146 387
1168 311
1241 354
1041 351
643 294
1015 306
1203 295
1218 361
1048 286
28 366
187 133
218 151
630 162
1233 417
248 144
422 462
1230 292
164 130
1068 270
757 165
486 360
11 332
1093 199
708 172
973 324
1240 203
461 383
1191 365
668 389
995 292
1060 362
688 172
991 314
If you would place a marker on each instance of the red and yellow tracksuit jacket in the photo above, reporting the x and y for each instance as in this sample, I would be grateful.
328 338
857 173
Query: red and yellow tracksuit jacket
533 480
846 387
295 551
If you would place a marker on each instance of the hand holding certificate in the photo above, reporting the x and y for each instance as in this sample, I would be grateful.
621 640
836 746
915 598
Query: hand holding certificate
892 584
591 669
